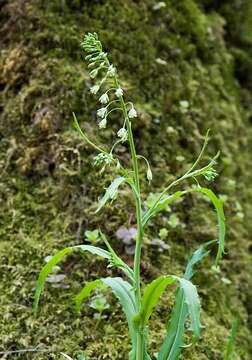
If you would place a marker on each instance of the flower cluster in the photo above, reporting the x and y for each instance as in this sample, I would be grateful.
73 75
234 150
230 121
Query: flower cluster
210 174
103 159
98 63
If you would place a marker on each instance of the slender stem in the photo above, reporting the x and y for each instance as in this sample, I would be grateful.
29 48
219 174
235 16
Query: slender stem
139 240
96 147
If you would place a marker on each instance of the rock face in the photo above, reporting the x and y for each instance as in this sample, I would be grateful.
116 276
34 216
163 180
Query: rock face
187 65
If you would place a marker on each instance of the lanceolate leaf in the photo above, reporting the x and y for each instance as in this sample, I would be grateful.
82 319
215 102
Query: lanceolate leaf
47 269
220 215
111 192
231 340
93 250
151 296
217 203
173 341
125 294
193 304
187 304
196 257
161 205
86 291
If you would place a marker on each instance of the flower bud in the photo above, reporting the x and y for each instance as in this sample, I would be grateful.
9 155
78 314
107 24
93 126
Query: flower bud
149 174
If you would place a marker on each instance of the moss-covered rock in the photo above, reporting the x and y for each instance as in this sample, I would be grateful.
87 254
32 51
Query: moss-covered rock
186 50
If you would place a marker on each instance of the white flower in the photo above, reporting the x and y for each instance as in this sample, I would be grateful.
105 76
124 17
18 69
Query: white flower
102 124
102 112
94 89
111 70
149 174
123 134
132 113
104 99
119 92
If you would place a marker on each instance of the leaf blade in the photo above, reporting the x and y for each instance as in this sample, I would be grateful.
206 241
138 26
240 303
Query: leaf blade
151 296
58 257
46 270
125 294
110 192
85 292
218 205
173 341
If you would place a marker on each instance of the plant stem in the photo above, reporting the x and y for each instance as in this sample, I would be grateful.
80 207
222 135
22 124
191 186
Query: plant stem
137 258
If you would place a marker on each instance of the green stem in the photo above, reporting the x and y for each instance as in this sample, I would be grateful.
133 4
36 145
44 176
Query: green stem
139 240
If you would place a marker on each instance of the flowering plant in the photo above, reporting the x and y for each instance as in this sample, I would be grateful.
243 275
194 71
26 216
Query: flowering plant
138 302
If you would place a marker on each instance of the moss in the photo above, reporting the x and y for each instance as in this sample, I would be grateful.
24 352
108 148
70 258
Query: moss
48 188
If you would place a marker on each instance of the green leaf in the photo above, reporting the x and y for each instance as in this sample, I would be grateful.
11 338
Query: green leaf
58 257
230 342
111 192
196 257
218 204
173 341
187 304
116 261
193 304
151 296
85 292
125 294
93 250
155 289
160 205
92 236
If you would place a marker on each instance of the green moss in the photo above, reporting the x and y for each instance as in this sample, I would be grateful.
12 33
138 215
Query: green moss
48 188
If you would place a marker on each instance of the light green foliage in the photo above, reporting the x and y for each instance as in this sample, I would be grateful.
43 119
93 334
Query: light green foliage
138 307
173 221
163 233
111 192
48 268
99 303
173 341
230 343
92 236
85 292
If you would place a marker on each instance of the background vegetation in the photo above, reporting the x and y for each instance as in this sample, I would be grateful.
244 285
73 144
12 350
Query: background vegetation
188 64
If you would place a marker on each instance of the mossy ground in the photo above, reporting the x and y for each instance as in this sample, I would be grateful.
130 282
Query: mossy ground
48 186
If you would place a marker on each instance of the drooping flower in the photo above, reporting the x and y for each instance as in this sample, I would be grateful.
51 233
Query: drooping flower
132 113
94 89
102 112
122 134
119 92
102 124
104 99
111 70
